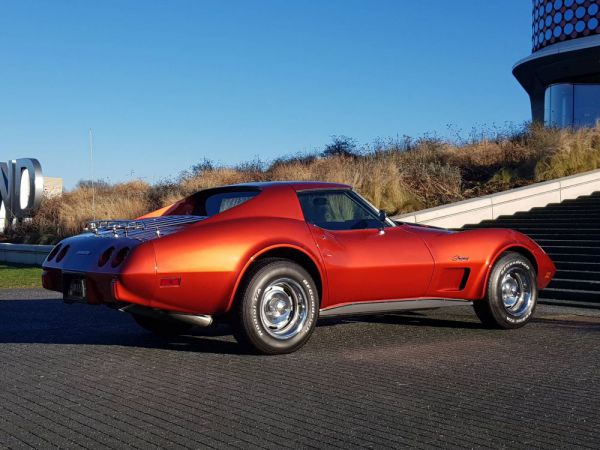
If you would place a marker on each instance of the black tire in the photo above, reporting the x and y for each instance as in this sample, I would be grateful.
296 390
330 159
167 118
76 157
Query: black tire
162 327
512 278
270 284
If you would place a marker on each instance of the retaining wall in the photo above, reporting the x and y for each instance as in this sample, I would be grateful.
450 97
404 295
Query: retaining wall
489 207
24 253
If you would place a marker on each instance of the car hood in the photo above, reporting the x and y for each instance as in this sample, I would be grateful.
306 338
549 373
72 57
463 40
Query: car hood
428 229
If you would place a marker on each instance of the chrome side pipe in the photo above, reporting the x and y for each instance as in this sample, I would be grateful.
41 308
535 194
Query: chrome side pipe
199 320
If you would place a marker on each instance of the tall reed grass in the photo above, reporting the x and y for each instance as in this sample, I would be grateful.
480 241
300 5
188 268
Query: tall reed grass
398 176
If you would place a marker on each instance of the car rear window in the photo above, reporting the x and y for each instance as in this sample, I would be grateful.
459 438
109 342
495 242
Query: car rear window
214 201
217 203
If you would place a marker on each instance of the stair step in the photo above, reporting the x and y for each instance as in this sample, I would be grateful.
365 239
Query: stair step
582 211
587 275
566 225
560 207
574 257
571 294
594 227
543 222
546 220
564 236
555 216
571 203
587 234
580 200
566 302
579 285
546 232
572 250
549 233
578 266
567 243
578 208
551 230
586 212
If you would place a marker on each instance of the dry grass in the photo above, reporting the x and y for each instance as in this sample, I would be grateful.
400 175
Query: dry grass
396 176
574 152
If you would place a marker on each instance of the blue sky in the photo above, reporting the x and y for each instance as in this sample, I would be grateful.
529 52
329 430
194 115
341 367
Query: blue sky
164 84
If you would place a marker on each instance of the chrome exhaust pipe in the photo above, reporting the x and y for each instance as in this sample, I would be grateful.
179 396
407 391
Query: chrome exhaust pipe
200 320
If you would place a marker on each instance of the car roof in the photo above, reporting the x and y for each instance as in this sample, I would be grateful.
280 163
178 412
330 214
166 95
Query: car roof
296 185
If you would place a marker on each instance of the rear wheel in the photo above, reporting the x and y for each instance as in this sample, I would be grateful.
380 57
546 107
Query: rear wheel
511 293
162 327
277 307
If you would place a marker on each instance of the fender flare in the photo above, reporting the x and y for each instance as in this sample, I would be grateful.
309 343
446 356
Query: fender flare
267 249
513 245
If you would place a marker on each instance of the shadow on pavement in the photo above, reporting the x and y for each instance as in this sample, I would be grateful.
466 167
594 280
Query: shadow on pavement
418 319
50 321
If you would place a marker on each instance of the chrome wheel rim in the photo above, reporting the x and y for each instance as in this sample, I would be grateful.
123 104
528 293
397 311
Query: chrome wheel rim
517 291
283 308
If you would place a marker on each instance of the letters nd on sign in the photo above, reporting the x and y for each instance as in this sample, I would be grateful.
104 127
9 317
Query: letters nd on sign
21 187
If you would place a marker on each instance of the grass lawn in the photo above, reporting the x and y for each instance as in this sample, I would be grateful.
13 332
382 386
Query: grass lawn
20 276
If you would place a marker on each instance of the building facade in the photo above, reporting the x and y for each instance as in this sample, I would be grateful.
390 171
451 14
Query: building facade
562 74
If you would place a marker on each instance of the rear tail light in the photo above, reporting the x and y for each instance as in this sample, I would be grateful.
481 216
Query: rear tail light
120 256
54 252
62 253
105 256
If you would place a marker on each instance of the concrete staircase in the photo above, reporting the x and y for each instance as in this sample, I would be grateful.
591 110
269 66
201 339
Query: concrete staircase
570 233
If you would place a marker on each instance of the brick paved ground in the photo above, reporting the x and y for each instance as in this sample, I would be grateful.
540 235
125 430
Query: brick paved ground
82 376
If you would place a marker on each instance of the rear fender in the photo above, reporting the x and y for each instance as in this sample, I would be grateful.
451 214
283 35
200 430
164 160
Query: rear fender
271 248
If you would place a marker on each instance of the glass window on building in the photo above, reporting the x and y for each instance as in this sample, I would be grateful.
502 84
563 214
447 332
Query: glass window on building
572 105
558 105
586 105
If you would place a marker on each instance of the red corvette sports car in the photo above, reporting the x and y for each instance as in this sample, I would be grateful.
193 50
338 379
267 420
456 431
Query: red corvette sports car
271 258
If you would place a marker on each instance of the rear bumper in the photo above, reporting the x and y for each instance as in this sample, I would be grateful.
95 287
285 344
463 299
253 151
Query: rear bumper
118 290
101 288
108 290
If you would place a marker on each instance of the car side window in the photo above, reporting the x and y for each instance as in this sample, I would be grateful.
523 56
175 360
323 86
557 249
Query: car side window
336 210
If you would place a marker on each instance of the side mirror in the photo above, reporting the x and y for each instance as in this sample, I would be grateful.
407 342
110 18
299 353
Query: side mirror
382 219
382 215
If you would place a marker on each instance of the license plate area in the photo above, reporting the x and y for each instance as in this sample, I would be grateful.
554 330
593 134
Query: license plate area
74 287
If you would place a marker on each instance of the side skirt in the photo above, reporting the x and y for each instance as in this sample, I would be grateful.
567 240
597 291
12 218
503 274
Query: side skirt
388 306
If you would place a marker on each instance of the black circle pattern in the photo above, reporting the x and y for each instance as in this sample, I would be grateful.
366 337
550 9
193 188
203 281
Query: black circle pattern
561 20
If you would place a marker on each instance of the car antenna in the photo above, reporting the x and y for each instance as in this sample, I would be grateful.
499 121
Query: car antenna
92 175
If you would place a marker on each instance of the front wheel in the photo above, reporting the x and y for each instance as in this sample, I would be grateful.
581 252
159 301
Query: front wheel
511 293
277 307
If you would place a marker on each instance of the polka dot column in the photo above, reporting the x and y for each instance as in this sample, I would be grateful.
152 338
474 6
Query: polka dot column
561 20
